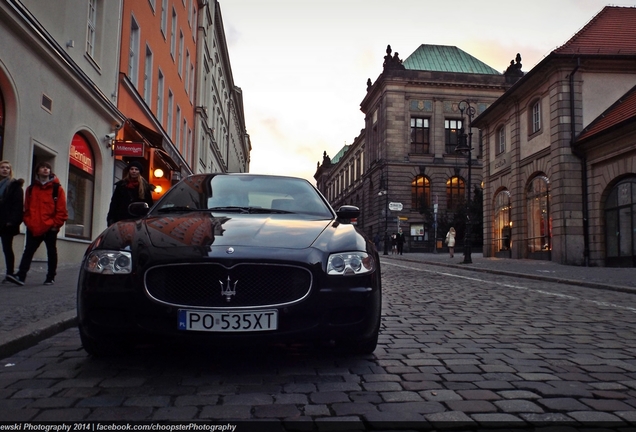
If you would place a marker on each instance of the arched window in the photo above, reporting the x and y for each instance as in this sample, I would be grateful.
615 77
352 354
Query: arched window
79 193
503 225
420 193
620 225
539 219
455 193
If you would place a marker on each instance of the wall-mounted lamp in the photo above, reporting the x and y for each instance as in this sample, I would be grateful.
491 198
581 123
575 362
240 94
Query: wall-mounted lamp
158 173
158 189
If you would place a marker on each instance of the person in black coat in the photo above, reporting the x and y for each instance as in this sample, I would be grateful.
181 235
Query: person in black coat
132 188
11 212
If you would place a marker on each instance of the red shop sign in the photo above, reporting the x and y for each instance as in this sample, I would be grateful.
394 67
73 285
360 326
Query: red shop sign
81 155
133 149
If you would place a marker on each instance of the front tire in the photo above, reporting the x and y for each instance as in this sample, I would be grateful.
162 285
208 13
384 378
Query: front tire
103 346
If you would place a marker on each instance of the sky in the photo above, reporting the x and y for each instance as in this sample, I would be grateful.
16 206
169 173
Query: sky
303 65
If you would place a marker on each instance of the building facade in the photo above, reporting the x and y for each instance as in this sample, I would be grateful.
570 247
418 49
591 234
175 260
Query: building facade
58 94
411 177
221 140
559 155
89 85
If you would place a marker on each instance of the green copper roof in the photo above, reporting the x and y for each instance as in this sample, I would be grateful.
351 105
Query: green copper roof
339 155
440 58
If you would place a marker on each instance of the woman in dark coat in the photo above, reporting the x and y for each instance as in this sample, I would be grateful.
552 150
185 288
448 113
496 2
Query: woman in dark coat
132 188
11 212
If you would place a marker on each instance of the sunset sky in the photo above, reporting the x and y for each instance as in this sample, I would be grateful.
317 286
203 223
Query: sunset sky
303 64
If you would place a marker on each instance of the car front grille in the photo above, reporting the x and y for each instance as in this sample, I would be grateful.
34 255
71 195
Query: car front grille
215 286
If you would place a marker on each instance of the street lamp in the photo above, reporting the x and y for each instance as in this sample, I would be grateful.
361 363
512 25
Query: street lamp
465 145
384 191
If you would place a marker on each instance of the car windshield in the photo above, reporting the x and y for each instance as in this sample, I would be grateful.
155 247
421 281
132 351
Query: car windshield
244 194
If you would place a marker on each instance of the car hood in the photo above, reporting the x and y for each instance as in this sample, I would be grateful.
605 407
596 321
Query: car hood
203 229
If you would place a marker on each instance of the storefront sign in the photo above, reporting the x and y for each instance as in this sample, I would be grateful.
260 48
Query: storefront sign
81 155
132 149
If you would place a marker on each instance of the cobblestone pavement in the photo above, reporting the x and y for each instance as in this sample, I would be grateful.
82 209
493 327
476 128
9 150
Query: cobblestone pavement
458 348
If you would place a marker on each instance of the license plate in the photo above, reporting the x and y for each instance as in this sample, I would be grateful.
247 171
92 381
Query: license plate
229 321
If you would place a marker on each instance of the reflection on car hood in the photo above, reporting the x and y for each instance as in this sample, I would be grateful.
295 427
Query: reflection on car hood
202 229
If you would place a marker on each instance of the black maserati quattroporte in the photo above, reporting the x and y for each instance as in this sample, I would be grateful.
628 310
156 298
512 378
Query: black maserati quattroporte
232 258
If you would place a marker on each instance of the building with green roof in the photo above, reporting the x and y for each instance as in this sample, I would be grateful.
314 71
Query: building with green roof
415 112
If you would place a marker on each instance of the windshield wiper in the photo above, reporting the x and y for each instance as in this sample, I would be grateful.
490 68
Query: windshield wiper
177 209
247 210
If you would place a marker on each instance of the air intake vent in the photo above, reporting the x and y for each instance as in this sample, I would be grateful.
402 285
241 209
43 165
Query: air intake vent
47 103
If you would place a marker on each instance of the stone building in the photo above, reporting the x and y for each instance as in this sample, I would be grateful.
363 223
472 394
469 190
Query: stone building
560 155
221 140
403 170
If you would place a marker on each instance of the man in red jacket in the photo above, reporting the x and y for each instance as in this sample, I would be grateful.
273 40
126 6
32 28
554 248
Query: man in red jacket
44 214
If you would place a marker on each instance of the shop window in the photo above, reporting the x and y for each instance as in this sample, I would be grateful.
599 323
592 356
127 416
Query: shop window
539 219
80 189
503 224
620 224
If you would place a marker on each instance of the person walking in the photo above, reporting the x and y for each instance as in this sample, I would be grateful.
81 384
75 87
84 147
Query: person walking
44 214
450 241
11 212
132 188
400 242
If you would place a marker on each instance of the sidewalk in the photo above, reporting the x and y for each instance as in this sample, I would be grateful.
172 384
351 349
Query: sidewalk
33 312
610 278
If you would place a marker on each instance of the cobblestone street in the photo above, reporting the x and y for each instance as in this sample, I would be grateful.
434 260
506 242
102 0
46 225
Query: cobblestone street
457 349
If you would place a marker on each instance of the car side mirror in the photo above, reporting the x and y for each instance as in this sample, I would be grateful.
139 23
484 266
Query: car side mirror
347 212
138 209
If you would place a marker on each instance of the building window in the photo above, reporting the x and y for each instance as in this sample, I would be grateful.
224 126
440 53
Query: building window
539 220
169 119
503 224
620 224
180 60
191 92
536 117
187 71
160 97
91 30
177 133
164 17
148 76
452 129
173 35
420 194
80 190
133 51
455 193
1 125
419 135
152 5
501 140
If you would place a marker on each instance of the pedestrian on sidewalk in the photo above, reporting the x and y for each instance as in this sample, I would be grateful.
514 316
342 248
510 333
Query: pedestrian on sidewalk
44 214
393 244
450 241
11 212
400 242
132 188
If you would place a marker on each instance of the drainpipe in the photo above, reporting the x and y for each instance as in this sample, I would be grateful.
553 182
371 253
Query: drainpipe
581 156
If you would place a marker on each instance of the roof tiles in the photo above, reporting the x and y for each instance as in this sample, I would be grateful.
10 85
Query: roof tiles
611 32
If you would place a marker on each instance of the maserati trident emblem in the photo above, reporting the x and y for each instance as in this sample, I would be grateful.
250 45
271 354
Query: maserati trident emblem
228 290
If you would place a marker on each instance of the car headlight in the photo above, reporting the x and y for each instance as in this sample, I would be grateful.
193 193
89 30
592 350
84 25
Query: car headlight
109 262
350 263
